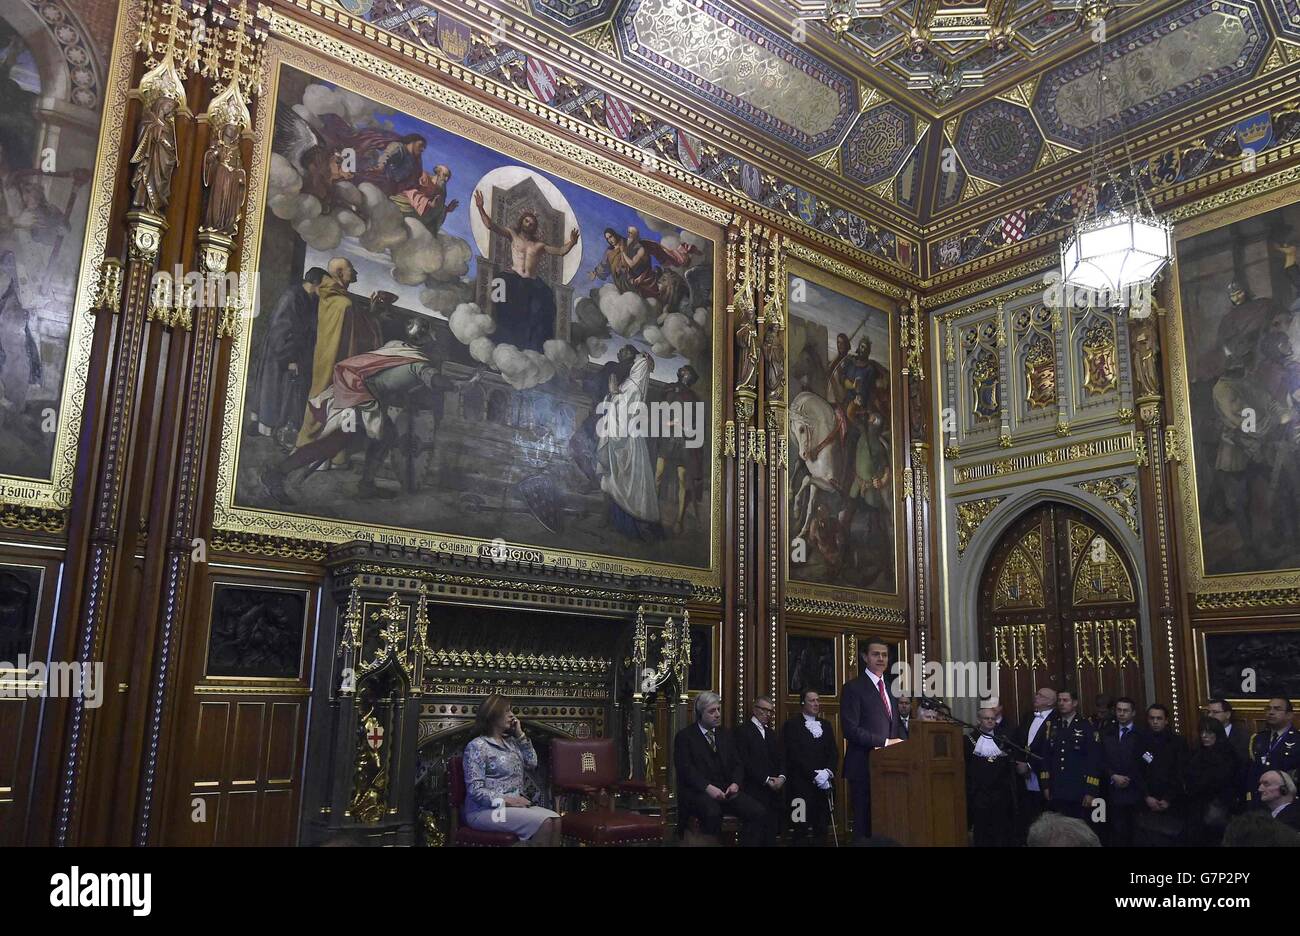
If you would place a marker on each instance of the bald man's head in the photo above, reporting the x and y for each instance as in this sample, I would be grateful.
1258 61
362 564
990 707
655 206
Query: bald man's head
343 271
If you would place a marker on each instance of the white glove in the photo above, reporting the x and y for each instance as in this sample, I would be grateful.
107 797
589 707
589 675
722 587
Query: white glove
822 778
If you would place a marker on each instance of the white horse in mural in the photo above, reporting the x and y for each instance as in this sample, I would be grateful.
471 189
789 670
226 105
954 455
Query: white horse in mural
819 438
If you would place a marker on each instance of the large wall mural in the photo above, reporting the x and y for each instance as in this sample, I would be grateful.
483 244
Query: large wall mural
843 448
54 81
1237 392
439 322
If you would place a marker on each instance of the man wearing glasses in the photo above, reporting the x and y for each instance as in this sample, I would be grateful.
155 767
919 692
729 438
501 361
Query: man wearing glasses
761 755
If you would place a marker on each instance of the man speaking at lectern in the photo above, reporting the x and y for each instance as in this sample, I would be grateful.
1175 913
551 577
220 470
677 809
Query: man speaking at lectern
871 720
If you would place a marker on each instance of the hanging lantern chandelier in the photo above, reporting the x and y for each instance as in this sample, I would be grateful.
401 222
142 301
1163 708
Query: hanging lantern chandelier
1117 247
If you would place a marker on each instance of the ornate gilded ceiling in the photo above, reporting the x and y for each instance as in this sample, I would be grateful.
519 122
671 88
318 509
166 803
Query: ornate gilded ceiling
1031 32
759 98
740 66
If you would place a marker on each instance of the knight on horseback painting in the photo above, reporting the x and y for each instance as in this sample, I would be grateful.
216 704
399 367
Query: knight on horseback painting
841 491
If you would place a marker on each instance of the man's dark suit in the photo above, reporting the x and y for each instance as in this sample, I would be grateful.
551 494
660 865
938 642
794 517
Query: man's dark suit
1239 738
699 766
1029 805
805 755
867 725
1122 803
761 757
990 793
1290 817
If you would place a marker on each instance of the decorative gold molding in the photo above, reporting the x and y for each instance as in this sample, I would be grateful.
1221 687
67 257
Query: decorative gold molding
108 289
1036 288
278 547
1264 598
33 519
1120 492
843 270
842 609
1030 461
970 514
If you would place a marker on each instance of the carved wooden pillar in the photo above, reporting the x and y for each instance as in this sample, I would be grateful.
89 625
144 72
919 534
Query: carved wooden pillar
771 588
221 184
87 629
742 311
1157 449
916 480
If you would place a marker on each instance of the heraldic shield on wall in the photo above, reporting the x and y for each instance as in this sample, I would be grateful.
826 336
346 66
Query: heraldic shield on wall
462 339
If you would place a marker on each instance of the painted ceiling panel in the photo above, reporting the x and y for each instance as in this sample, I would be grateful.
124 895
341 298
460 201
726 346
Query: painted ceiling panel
1036 30
999 141
878 143
1288 12
907 186
740 66
951 180
574 13
1190 52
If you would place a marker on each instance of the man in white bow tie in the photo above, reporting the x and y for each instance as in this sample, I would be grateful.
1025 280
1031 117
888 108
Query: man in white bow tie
811 757
1031 794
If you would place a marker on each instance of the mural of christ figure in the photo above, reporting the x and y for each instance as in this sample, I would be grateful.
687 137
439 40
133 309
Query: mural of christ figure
526 315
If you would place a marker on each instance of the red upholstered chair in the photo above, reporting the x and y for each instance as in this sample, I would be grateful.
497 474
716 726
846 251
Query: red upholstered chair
463 834
590 769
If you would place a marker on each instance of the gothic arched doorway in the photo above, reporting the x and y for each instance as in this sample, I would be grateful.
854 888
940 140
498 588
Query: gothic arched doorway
1058 606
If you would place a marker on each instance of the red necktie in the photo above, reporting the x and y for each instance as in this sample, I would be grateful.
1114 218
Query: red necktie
884 699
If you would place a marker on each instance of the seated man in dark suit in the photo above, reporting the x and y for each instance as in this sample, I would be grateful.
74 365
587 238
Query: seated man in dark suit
812 757
709 775
1277 794
871 720
762 759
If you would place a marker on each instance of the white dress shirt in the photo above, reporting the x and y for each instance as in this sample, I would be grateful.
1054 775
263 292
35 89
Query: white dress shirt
1031 778
762 731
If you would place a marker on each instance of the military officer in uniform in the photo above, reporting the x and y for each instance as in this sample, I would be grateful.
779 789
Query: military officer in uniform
1071 769
1277 747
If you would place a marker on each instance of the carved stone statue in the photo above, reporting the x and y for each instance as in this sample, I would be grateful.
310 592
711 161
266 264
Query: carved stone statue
774 362
1145 341
225 179
223 165
155 155
746 346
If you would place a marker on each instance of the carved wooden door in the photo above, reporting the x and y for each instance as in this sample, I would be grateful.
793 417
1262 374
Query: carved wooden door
1058 607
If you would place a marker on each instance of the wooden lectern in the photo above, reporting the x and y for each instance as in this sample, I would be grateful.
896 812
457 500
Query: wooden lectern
918 787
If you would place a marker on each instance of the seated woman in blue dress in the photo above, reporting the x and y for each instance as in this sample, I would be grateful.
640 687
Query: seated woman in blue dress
494 778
